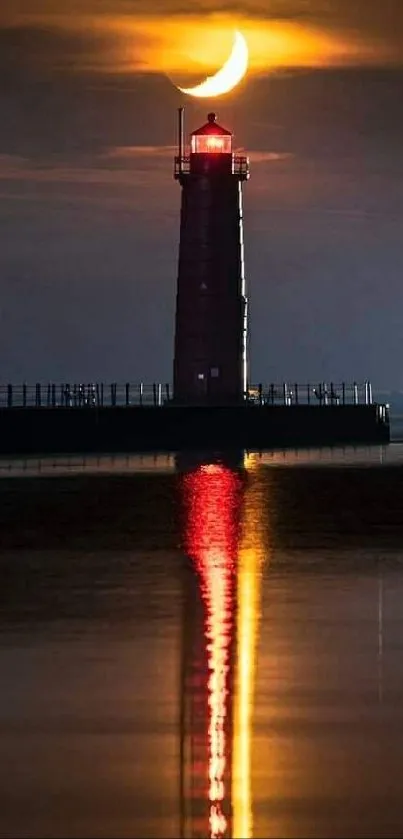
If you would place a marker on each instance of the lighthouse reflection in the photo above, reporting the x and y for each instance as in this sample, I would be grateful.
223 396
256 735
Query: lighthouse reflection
223 539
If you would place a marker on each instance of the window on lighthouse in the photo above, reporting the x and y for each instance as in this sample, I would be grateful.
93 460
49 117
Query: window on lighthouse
211 144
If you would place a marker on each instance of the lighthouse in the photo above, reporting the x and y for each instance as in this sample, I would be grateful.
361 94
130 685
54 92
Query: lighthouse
210 355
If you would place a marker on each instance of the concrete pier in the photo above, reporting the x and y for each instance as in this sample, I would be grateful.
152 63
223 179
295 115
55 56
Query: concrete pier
33 430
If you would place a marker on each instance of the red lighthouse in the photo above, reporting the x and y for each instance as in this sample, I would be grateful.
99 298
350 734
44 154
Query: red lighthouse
210 362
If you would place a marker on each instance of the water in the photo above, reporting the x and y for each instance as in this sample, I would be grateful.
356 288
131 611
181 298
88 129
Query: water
202 650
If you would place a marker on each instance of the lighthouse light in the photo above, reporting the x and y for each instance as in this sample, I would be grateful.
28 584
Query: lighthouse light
215 143
211 144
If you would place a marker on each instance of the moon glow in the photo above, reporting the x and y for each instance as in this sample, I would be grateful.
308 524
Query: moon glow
228 76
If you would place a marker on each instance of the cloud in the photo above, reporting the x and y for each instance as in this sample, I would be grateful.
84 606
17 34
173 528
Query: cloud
184 44
48 49
116 165
268 156
12 162
330 31
96 170
134 152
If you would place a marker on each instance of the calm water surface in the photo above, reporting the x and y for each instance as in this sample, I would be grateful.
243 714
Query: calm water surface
202 649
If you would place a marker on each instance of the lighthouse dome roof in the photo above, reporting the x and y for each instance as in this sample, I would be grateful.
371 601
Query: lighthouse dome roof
212 127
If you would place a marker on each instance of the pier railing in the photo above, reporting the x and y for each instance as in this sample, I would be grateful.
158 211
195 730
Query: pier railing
79 395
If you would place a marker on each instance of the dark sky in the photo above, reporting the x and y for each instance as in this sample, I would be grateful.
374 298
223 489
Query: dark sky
89 212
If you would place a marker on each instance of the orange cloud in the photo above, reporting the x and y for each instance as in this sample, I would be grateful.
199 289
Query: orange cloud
196 45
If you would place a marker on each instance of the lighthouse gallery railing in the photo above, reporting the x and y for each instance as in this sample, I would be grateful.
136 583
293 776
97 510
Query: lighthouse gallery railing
240 166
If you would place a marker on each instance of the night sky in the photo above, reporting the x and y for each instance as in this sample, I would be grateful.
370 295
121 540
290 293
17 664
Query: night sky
89 212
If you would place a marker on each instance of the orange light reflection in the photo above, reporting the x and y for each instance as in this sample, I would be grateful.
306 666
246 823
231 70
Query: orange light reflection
212 542
251 557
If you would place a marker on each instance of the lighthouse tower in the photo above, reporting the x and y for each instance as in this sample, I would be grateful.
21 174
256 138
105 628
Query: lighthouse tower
210 362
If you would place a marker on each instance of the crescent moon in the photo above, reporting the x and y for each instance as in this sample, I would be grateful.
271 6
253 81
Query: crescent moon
228 76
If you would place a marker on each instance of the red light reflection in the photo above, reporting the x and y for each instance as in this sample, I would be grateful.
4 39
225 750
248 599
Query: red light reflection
212 497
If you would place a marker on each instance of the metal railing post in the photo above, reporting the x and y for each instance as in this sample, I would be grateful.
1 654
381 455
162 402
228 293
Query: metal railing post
368 393
141 393
38 395
355 393
24 395
9 396
127 394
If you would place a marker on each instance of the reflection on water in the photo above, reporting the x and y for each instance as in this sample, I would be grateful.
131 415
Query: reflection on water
212 506
130 464
224 536
254 537
210 651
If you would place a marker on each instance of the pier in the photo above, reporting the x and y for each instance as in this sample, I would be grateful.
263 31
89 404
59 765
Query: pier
63 418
